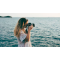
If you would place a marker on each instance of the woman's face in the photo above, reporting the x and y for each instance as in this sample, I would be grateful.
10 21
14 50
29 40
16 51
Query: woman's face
26 24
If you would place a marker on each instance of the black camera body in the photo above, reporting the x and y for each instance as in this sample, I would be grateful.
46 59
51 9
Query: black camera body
29 24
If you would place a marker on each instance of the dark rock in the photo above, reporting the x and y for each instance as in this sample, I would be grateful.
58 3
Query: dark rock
5 17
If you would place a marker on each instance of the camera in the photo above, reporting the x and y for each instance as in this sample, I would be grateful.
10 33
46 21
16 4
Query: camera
29 24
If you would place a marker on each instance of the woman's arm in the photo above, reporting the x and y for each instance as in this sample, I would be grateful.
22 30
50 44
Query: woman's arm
28 34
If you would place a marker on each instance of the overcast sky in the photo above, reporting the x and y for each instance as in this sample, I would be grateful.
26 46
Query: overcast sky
31 14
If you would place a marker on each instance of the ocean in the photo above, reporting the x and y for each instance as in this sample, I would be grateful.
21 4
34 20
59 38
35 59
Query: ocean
46 32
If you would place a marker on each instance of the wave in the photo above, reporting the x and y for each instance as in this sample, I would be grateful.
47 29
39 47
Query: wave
55 38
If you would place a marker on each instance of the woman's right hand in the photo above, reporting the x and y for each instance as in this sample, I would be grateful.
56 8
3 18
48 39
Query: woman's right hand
30 27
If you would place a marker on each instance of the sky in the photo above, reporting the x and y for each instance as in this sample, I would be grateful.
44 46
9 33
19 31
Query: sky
31 14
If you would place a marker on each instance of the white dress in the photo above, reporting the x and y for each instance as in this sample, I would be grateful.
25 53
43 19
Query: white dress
20 40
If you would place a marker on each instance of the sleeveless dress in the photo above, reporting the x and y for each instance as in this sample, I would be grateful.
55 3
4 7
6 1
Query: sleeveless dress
21 39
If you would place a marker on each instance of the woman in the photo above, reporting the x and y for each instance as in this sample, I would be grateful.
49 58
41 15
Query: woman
19 31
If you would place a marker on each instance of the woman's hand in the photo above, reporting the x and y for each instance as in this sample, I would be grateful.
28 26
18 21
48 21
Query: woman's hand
28 34
30 27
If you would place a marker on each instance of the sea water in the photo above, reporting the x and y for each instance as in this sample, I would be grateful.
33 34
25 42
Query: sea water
46 32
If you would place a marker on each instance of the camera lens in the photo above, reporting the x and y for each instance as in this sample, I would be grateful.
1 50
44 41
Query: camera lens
33 25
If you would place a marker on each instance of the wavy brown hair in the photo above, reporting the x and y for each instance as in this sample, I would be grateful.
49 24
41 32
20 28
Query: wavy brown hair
20 25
